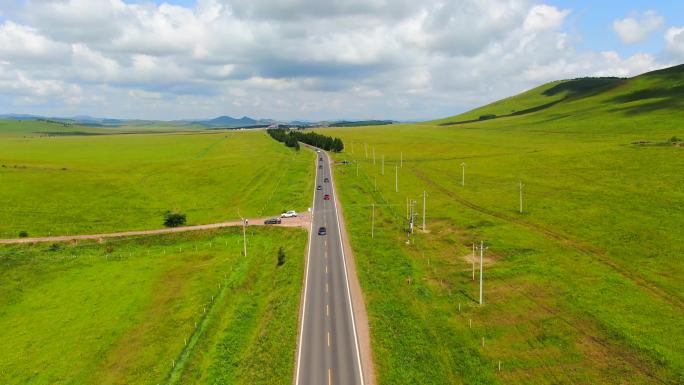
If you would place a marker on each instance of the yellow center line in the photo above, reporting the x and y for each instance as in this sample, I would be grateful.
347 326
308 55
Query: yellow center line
327 310
328 339
329 376
326 269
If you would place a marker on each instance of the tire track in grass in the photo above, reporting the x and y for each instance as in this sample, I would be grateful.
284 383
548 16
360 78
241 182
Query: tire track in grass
571 243
204 151
286 171
232 282
466 360
548 233
377 195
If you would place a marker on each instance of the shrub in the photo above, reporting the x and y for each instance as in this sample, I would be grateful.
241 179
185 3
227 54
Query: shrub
172 219
23 234
675 139
281 257
487 117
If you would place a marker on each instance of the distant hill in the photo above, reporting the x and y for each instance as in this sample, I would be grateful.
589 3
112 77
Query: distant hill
224 121
661 91
360 123
227 121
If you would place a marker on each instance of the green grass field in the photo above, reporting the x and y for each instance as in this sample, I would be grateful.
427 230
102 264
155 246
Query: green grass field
75 184
584 287
126 311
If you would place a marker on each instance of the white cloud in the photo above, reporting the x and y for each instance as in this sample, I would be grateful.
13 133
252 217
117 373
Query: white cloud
20 43
544 17
290 59
142 94
674 40
91 65
636 29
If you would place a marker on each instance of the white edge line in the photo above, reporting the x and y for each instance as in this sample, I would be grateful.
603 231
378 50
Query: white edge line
346 278
306 275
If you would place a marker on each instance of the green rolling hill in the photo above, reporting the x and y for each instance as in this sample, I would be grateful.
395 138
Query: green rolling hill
660 92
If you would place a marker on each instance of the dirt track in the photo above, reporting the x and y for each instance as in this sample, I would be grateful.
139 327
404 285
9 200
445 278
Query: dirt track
303 221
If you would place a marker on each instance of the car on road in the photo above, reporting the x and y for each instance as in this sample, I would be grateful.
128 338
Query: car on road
288 214
326 197
320 159
320 166
326 180
321 231
319 187
272 221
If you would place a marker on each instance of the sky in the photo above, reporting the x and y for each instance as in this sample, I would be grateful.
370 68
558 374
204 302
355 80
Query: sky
315 60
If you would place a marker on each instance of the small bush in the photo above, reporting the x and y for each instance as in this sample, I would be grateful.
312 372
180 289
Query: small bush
281 256
23 234
55 247
487 117
174 219
675 139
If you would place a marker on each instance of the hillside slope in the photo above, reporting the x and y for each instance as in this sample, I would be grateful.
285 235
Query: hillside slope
659 91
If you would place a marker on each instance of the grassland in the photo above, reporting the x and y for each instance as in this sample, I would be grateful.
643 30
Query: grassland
162 309
85 180
585 286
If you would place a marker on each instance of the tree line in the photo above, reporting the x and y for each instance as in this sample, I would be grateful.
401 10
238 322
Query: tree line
292 139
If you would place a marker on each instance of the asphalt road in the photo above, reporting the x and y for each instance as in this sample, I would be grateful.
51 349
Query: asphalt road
328 351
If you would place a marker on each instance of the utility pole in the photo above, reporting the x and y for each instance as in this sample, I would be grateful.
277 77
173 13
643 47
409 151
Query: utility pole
244 236
373 155
481 270
396 178
244 233
521 185
373 221
463 165
424 196
473 261
383 165
412 215
401 160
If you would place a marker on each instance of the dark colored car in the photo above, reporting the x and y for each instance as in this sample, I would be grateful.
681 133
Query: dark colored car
321 231
272 221
319 187
320 166
326 180
326 197
320 158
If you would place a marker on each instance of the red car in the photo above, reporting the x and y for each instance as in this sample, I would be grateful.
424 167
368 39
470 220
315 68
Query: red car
326 197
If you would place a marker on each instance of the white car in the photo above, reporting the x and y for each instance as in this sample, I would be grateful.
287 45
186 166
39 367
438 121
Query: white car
289 214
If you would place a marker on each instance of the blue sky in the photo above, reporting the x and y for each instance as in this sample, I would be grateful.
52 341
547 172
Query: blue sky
308 59
593 21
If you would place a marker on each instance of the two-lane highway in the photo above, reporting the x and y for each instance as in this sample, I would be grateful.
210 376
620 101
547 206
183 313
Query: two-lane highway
328 351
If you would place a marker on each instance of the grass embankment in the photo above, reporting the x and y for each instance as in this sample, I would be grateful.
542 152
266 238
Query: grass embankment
104 183
583 287
121 312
